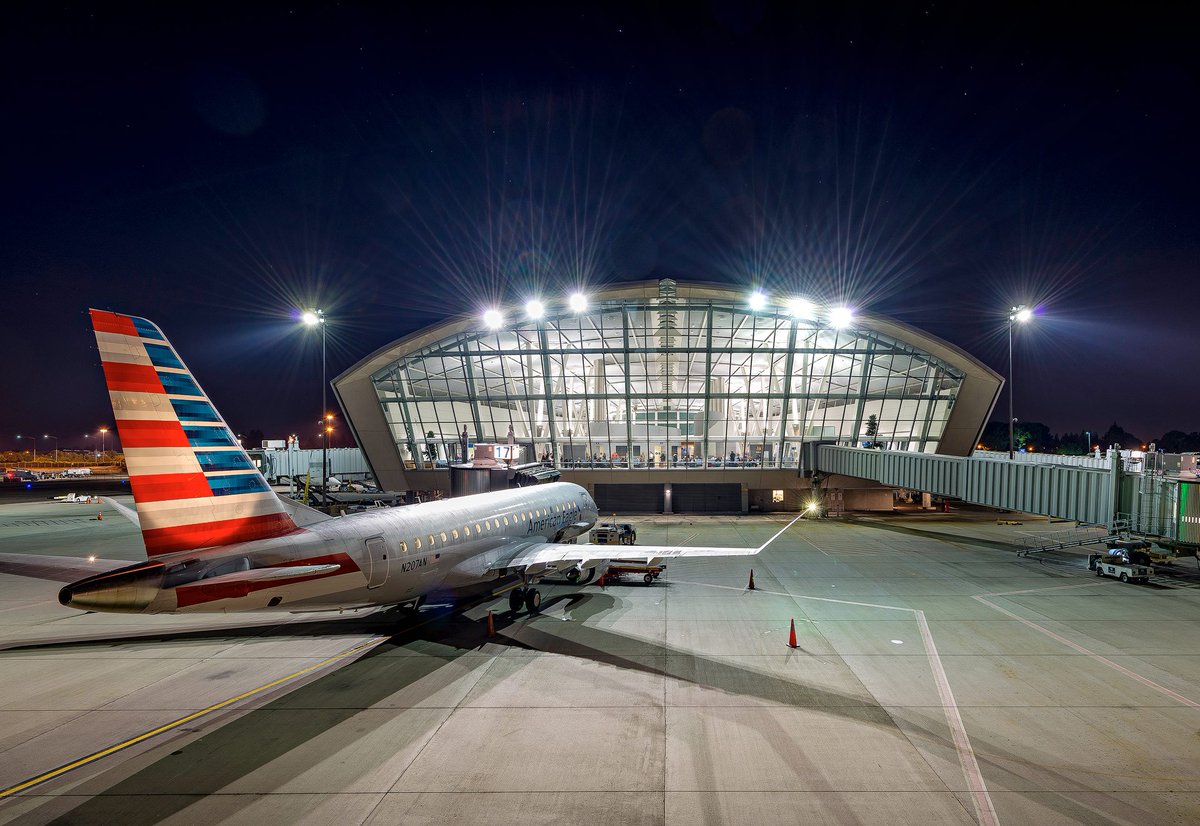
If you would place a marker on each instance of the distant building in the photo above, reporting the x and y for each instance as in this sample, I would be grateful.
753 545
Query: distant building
657 395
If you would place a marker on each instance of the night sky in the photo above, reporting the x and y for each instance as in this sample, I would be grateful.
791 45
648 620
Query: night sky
938 164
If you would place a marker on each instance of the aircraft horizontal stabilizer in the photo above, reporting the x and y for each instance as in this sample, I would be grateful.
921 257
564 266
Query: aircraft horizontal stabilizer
263 574
58 568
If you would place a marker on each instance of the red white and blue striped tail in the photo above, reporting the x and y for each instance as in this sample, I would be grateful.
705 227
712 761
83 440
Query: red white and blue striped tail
193 484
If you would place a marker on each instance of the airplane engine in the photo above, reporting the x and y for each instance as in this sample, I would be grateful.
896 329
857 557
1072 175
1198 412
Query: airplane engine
581 575
126 590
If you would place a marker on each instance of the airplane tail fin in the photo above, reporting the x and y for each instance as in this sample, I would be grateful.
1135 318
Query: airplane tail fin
193 485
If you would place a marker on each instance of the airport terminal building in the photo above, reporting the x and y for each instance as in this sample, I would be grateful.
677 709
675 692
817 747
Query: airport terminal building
663 396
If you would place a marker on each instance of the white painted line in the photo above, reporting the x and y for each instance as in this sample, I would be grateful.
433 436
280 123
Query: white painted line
1133 675
984 808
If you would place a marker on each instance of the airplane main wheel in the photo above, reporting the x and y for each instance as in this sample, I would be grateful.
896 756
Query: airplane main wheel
516 598
573 576
533 600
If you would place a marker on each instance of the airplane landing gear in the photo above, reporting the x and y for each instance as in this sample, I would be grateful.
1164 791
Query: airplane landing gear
531 598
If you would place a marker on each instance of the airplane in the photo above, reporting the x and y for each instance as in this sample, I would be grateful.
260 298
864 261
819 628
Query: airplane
218 539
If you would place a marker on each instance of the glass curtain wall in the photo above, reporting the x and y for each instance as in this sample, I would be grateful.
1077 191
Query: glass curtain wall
676 383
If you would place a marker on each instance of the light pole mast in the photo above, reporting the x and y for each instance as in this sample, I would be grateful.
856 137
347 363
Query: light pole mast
1022 314
315 318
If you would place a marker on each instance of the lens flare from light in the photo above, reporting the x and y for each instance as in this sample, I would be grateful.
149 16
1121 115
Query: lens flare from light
758 300
802 308
577 302
535 309
493 319
311 318
841 317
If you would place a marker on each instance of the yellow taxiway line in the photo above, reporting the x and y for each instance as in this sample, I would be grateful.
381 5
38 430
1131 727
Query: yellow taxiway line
132 741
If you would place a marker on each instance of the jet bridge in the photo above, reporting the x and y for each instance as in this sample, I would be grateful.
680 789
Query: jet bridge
1107 492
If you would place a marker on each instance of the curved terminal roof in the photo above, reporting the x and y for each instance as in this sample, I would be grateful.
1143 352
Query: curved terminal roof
358 395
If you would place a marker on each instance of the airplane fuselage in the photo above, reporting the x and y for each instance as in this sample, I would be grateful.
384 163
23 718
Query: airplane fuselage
380 557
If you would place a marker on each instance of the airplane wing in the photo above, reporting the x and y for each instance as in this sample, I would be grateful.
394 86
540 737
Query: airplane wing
557 556
58 568
126 511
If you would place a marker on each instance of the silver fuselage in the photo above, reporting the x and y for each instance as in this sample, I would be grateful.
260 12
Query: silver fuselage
380 557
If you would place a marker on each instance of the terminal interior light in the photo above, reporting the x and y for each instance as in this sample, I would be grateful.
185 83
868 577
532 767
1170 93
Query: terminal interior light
841 317
578 302
535 309
758 300
493 318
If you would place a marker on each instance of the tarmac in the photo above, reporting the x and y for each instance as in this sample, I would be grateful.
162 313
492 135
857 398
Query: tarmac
937 678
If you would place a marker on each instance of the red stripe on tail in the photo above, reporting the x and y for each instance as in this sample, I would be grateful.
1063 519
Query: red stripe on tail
160 487
151 433
135 378
225 532
106 322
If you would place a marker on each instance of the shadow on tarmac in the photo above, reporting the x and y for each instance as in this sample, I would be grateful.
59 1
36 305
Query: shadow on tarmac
417 648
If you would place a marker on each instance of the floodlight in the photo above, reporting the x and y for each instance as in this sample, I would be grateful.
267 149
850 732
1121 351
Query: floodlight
312 317
578 302
801 308
841 317
758 300
493 318
535 309
1022 314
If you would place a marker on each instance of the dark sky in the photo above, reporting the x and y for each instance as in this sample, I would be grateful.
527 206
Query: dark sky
212 167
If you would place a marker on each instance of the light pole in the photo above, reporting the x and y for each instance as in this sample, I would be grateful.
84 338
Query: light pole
19 437
316 318
1022 314
55 438
103 440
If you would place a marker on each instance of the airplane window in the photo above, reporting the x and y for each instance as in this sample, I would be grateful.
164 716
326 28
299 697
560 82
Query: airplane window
418 541
466 530
506 520
443 536
431 540
487 524
453 532
403 547
477 528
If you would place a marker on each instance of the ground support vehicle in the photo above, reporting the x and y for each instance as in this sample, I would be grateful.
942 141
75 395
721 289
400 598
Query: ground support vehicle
613 533
620 568
1119 566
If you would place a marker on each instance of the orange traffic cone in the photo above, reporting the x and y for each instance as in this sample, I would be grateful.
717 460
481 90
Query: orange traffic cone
750 587
792 636
491 632
602 580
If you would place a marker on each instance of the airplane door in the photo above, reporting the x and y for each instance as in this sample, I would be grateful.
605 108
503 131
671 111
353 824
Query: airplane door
377 559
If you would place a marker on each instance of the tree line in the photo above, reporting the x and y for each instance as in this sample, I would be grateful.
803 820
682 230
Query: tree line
1035 436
